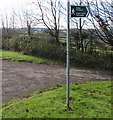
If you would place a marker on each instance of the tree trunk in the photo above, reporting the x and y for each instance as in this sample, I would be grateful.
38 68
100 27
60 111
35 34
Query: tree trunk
29 29
57 37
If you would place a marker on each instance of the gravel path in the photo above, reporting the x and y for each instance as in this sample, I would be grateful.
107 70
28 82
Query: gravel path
19 79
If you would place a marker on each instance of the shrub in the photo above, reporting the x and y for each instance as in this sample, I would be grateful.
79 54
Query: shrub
38 47
95 60
51 51
44 47
23 43
6 44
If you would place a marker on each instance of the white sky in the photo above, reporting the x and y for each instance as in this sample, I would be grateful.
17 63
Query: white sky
16 3
9 5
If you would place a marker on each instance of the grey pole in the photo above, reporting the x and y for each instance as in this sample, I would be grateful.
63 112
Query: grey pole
80 29
68 56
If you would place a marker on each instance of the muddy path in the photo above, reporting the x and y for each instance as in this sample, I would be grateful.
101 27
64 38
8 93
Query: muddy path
19 79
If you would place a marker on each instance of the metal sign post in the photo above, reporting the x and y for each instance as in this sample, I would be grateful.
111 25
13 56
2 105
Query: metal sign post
76 11
68 56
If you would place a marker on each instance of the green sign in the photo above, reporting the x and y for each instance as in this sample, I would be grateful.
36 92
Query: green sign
79 11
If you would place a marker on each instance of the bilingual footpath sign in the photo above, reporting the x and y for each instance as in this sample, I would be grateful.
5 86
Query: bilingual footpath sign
79 11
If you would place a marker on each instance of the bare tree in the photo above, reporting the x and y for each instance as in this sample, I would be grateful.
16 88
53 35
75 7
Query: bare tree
13 19
50 15
25 17
5 24
101 18
28 20
28 15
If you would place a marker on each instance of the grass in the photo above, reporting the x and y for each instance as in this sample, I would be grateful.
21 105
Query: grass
87 100
104 51
16 56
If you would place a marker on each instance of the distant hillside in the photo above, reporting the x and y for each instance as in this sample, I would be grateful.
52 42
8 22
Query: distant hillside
38 29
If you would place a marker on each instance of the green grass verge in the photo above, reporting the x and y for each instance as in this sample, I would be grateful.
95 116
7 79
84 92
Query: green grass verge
88 100
16 56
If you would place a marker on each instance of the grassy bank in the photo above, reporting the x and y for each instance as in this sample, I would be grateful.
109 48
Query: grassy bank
103 62
88 100
19 57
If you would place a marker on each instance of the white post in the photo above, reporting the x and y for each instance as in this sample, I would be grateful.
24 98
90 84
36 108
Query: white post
68 56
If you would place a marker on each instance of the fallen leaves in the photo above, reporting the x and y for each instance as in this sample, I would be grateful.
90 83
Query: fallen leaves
71 98
110 86
72 102
97 111
100 92
27 110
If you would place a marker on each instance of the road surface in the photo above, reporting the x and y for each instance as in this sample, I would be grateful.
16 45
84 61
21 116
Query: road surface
19 78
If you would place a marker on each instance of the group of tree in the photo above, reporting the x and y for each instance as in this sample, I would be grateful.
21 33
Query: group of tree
102 13
51 12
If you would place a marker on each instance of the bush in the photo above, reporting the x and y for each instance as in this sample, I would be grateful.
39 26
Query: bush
100 61
37 46
51 51
23 44
6 44
43 47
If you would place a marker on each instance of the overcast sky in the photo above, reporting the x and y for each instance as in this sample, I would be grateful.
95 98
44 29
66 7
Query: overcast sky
17 3
10 5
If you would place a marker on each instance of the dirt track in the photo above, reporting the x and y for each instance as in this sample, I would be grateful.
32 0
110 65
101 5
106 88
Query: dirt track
19 79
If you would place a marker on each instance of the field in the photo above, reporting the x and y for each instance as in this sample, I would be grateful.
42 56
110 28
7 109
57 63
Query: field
19 57
87 100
